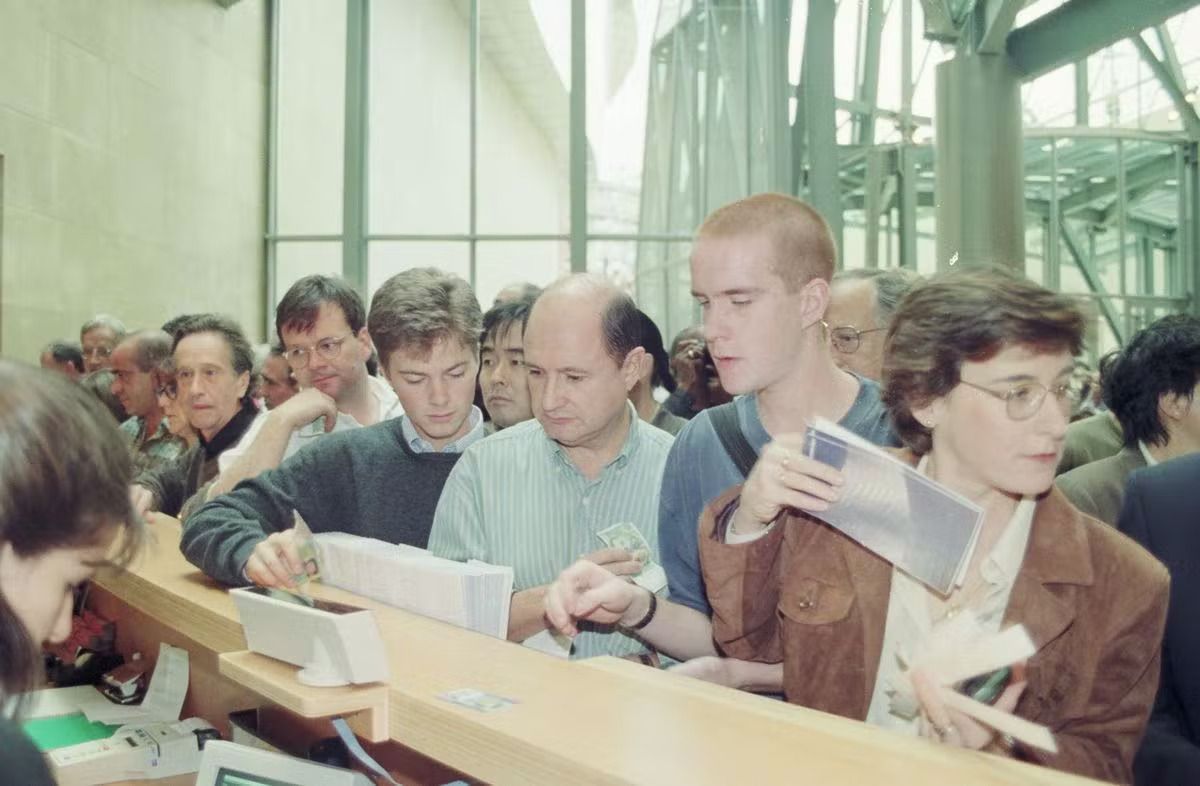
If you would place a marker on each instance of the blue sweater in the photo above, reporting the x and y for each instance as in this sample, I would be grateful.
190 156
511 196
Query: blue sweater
367 482
698 470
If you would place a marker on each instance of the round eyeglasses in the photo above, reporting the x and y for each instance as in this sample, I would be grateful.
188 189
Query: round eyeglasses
847 338
1023 401
328 348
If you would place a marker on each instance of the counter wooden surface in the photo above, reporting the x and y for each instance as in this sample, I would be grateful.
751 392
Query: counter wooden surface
599 721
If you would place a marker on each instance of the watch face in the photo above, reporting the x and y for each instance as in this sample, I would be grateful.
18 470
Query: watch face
304 600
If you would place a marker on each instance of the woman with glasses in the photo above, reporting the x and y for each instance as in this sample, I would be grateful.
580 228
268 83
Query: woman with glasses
978 382
167 392
64 511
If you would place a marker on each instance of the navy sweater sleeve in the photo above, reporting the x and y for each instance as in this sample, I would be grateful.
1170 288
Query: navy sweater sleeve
316 482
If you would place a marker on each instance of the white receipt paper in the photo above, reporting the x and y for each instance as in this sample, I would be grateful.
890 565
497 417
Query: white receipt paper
164 697
923 528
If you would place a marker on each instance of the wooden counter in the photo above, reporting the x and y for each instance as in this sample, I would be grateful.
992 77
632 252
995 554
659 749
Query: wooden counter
578 722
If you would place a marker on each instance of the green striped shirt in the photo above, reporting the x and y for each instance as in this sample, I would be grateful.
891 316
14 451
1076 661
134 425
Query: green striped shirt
516 499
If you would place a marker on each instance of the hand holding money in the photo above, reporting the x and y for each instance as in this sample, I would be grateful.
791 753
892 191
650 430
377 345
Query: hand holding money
285 559
618 561
627 536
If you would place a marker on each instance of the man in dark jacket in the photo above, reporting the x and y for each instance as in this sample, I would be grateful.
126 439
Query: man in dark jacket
1160 511
213 361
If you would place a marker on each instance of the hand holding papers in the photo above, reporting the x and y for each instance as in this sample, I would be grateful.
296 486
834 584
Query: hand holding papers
958 650
922 528
784 477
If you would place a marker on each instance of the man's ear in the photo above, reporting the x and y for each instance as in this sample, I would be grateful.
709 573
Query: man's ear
364 341
1174 406
814 299
634 367
243 384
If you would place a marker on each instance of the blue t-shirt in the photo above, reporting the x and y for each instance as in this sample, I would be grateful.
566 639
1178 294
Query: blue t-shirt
698 470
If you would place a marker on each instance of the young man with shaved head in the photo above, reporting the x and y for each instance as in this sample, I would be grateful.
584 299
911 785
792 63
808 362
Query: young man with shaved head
536 495
760 273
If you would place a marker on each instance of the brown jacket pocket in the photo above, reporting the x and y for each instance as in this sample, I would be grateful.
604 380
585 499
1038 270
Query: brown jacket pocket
812 602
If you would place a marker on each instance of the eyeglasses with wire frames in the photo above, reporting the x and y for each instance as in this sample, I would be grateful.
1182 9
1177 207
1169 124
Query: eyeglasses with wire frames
1024 400
847 338
100 352
328 348
168 389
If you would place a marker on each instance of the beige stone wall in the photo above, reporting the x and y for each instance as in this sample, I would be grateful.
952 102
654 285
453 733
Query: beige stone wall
133 146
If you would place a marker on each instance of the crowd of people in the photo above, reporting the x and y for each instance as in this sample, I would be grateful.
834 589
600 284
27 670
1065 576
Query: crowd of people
515 436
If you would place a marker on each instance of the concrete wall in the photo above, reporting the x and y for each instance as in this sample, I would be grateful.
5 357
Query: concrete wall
133 139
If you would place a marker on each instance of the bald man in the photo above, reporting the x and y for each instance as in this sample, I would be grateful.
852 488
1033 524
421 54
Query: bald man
861 304
537 495
133 363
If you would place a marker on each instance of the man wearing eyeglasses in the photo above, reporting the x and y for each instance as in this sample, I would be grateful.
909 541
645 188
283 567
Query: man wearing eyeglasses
133 364
861 304
99 337
321 324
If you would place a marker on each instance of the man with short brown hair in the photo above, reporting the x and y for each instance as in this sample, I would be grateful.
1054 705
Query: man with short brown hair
381 481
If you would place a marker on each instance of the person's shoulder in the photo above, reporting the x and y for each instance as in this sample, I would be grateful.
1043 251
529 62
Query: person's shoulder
698 432
1086 474
385 435
1178 472
868 417
655 438
514 440
1117 559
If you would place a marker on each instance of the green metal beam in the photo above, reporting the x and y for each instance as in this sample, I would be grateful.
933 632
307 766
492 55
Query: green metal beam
778 29
868 88
817 77
1093 281
1155 171
354 159
1080 27
1082 92
1162 235
939 25
578 165
1000 15
1162 70
1170 57
272 173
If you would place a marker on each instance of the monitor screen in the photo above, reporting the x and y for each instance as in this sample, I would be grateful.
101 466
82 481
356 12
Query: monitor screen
228 777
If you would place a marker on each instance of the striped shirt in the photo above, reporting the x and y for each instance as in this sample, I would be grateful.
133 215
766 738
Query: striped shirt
516 499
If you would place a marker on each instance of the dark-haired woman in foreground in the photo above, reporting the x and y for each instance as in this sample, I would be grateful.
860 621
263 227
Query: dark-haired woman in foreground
64 503
978 381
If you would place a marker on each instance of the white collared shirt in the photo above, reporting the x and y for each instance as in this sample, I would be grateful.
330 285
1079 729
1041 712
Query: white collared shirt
1150 460
910 618
388 407
421 445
